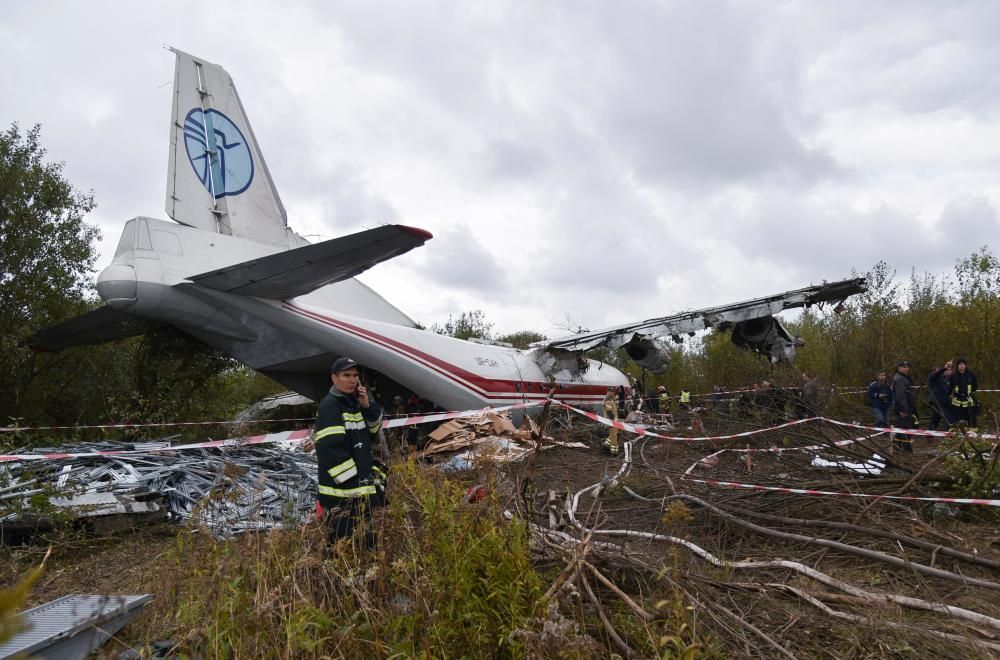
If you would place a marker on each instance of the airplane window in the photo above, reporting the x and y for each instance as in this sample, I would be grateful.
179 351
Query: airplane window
127 241
167 242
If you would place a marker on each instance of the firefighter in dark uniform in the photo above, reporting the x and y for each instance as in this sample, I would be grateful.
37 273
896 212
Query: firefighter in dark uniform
350 482
963 386
905 404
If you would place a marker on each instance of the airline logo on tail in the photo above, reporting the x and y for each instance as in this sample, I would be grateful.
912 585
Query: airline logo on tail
218 152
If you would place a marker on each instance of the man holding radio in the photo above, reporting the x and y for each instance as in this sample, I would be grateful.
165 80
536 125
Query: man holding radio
350 483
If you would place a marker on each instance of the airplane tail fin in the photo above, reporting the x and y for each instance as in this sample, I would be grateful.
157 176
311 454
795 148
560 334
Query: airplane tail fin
217 178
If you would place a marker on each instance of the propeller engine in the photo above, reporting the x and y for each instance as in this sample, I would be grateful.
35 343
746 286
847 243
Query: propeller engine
650 354
766 335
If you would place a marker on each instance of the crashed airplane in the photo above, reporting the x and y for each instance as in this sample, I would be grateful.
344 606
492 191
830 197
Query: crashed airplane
230 272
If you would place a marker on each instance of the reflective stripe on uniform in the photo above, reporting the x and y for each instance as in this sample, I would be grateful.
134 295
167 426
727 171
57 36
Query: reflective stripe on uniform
354 421
375 426
344 471
360 491
330 430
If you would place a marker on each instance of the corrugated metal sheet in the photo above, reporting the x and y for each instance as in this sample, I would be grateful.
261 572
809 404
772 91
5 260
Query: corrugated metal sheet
72 626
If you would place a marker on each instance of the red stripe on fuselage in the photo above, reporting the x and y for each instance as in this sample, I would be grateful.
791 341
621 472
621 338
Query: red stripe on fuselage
487 388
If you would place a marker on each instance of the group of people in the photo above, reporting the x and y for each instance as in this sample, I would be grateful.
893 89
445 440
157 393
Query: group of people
774 404
952 395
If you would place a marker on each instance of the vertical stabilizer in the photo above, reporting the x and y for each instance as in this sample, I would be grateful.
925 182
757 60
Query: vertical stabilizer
217 179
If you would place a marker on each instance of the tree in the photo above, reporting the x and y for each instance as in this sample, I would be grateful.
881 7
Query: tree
466 326
522 339
46 253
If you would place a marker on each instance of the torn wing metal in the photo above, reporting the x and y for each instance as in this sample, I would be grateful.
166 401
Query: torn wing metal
753 323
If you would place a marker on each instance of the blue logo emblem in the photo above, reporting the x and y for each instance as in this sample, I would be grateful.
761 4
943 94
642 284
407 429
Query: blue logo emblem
218 152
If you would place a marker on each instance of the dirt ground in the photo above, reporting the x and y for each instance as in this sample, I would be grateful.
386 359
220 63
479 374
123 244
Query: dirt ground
857 629
750 612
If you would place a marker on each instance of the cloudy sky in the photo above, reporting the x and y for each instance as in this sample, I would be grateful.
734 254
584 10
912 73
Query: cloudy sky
588 163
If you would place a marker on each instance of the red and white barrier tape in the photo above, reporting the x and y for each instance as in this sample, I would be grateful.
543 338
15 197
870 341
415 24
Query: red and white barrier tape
287 436
13 429
809 491
639 429
283 436
437 417
302 434
781 489
388 423
896 429
777 450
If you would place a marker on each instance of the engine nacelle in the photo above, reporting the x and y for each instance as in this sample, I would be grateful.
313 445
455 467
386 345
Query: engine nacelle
650 354
766 335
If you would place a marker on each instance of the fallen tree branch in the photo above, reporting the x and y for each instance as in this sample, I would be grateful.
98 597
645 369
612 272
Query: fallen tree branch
871 531
856 618
836 545
906 601
612 633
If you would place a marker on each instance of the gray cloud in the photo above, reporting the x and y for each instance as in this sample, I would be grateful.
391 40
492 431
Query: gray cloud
459 261
586 160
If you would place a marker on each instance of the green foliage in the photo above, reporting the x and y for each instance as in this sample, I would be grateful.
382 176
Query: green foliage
46 252
468 571
974 463
12 599
522 339
466 326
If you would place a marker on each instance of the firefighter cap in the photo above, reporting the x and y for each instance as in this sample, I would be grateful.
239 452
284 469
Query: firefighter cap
342 364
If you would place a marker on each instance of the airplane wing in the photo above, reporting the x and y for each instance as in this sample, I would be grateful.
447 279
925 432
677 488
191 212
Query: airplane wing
754 326
297 272
95 327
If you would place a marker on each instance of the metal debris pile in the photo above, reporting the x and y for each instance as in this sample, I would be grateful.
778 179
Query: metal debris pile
225 490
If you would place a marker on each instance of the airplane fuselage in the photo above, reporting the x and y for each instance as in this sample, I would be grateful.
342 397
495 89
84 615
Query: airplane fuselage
294 341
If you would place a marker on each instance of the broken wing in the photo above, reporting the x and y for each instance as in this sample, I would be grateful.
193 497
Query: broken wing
753 323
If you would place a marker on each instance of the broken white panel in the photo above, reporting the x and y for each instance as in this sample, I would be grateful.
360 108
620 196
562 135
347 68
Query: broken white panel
872 467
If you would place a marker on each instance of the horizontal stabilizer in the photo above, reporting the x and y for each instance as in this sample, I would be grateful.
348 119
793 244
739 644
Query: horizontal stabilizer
297 272
96 327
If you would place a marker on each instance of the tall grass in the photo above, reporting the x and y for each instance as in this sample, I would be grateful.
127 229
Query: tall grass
448 579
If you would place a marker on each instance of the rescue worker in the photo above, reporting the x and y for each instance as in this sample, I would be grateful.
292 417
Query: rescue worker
685 399
938 396
963 386
880 399
350 482
664 397
397 409
905 405
611 412
808 403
